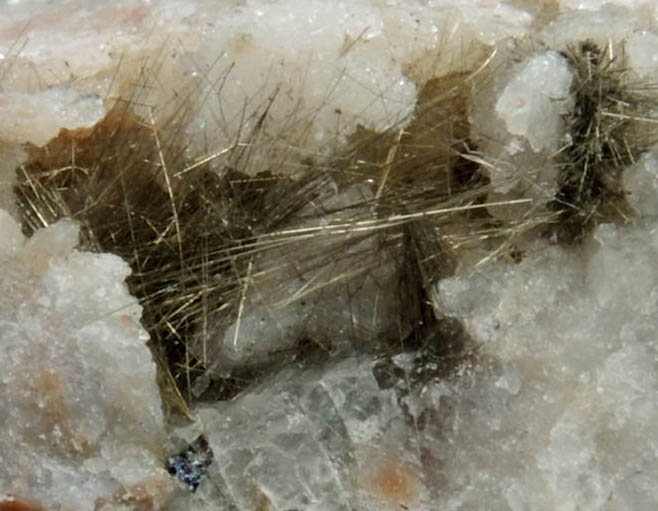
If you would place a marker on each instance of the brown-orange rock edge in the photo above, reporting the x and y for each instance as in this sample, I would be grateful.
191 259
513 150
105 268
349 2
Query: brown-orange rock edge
11 503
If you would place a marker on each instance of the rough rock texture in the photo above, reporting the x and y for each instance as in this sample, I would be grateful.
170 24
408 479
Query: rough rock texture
36 118
361 62
81 419
576 332
326 439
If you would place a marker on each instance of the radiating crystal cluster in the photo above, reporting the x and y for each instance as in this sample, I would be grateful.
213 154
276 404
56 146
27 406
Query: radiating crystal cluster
331 285
81 415
552 407
551 404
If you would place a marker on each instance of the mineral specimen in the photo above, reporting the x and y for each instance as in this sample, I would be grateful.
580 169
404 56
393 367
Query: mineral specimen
550 402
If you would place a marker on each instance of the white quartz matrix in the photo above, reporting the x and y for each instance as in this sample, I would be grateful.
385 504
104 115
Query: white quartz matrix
576 332
81 416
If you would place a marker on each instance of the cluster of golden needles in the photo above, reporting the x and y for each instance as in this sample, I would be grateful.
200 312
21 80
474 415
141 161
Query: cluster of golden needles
193 231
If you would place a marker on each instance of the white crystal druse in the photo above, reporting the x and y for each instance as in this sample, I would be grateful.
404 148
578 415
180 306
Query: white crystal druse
575 330
82 422
533 102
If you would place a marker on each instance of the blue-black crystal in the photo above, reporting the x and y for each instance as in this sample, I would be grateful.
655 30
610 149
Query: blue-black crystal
191 464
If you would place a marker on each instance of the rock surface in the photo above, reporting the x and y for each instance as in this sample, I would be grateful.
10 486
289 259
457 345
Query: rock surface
575 331
82 419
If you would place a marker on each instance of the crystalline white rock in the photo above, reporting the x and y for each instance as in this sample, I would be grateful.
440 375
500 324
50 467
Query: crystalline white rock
533 102
642 53
318 440
69 42
37 118
86 419
576 334
361 61
340 438
517 123
343 66
606 23
641 182
488 20
353 69
12 156
595 5
558 410
10 234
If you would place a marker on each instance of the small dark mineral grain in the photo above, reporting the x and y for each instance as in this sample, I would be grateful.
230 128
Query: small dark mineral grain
190 465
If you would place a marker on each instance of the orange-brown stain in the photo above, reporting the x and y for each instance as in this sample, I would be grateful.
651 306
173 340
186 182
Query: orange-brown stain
151 494
18 504
123 17
56 411
260 501
50 389
394 480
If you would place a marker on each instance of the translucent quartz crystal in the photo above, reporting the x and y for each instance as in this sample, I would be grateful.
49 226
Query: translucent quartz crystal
533 102
37 118
317 440
518 122
641 183
81 415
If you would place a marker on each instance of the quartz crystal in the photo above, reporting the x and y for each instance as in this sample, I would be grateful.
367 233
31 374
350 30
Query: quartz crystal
325 440
641 182
533 102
